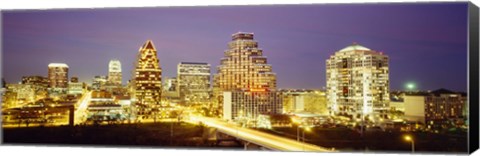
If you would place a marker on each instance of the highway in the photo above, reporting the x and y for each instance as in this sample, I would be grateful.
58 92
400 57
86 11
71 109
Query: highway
81 108
263 139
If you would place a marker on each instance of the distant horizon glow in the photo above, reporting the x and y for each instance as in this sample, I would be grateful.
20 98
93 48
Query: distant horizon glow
425 42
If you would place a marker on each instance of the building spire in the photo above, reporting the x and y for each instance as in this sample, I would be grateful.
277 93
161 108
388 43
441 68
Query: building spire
149 45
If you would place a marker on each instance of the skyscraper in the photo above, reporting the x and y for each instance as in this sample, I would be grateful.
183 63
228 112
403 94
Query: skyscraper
148 78
358 82
58 75
194 82
115 72
243 69
243 66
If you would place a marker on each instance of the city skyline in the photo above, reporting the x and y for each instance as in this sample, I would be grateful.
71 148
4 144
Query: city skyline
107 34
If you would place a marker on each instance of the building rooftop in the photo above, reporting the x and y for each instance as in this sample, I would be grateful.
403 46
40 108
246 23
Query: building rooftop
417 93
105 105
243 33
58 65
444 91
122 97
242 36
353 47
199 63
307 115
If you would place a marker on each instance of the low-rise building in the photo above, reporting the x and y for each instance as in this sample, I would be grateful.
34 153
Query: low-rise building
439 108
312 101
246 105
25 93
170 88
106 112
269 121
99 82
444 107
414 104
75 88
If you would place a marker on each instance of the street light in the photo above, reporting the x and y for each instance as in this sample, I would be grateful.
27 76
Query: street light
410 139
298 127
303 136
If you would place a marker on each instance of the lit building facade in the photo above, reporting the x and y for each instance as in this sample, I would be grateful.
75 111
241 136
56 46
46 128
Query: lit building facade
74 86
39 81
39 84
58 75
358 83
114 72
242 67
148 78
312 101
193 82
74 79
435 108
247 105
25 93
414 107
99 82
170 84
9 99
445 107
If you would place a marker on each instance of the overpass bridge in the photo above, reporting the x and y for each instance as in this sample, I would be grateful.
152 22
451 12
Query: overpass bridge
259 138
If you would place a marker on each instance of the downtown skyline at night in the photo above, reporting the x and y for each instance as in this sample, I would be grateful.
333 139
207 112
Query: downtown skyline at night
418 38
311 78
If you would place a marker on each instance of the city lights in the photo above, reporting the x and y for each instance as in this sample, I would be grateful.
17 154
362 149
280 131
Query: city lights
277 90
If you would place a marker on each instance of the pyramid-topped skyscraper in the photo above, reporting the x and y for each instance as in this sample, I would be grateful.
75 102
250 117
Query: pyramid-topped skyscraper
147 79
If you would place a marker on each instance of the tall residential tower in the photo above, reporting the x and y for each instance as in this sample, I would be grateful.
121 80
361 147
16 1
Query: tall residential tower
358 83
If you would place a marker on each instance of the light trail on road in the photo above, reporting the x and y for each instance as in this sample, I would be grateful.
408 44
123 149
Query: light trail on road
81 108
256 137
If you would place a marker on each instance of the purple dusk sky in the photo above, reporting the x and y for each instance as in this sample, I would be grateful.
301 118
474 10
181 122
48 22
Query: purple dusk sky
426 42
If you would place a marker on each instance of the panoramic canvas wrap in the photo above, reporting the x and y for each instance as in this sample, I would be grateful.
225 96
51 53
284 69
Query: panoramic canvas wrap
316 78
